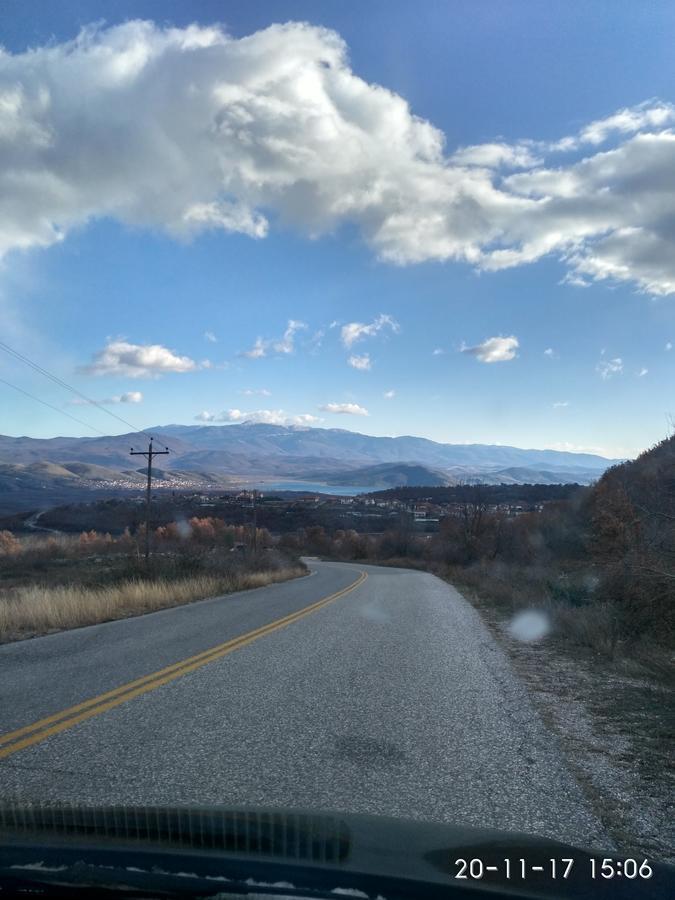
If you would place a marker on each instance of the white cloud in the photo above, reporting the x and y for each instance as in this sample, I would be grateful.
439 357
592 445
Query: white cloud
356 331
128 397
669 345
493 156
119 357
439 351
314 343
277 121
251 392
650 114
389 395
608 368
304 419
568 447
550 352
642 372
363 363
284 344
560 404
258 416
210 337
607 216
494 349
223 215
257 351
350 409
630 254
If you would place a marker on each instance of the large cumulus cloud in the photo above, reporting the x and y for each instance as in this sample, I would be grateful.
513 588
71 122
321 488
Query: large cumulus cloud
190 129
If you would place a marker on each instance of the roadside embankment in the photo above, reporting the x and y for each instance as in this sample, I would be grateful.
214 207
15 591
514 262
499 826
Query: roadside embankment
50 584
33 610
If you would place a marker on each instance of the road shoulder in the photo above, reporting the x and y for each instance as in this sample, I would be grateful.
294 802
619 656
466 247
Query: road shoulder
613 730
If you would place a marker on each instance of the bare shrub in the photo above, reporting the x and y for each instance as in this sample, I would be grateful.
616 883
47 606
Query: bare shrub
596 627
9 545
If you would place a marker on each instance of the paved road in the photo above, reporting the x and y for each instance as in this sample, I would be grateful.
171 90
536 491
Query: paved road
392 699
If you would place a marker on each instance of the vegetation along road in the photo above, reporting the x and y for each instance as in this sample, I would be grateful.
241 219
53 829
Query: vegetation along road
357 688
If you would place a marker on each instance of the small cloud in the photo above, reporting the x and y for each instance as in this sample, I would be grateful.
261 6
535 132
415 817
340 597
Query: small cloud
494 349
349 409
257 351
642 372
268 416
568 447
314 343
210 337
363 363
119 357
286 344
252 392
496 155
128 397
560 404
649 114
439 351
550 352
669 345
356 331
258 416
389 395
206 364
608 368
576 280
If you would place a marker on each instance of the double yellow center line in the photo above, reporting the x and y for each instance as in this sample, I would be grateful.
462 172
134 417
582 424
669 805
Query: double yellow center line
39 731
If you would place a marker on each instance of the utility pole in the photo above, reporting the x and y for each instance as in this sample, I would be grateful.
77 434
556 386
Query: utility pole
150 454
254 497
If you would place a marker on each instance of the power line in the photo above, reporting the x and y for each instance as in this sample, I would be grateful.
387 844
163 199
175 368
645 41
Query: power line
64 384
69 387
55 408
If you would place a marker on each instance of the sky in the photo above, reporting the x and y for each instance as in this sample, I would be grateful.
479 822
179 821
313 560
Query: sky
447 219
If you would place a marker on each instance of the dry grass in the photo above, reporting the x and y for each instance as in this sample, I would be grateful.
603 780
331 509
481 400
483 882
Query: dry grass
34 609
595 627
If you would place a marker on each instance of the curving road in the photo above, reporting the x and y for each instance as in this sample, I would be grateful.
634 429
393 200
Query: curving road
386 696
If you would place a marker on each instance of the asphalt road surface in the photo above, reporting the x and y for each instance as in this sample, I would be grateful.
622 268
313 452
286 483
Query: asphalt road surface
389 698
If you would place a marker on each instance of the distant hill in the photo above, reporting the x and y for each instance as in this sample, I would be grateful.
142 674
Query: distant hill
533 475
391 475
34 471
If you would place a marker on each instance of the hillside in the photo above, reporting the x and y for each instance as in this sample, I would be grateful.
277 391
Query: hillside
35 471
391 475
632 520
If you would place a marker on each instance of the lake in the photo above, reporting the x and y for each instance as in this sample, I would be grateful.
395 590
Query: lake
308 487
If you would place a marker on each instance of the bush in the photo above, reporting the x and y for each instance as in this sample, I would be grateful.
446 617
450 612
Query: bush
9 545
596 627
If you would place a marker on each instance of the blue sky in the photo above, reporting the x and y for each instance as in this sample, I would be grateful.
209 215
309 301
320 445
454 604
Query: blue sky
174 200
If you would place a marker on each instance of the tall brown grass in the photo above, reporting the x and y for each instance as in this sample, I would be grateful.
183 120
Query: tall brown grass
34 609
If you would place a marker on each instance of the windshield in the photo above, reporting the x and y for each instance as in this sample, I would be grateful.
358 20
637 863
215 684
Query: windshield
337 466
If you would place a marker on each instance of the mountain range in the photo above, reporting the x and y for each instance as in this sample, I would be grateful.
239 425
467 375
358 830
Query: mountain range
38 472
